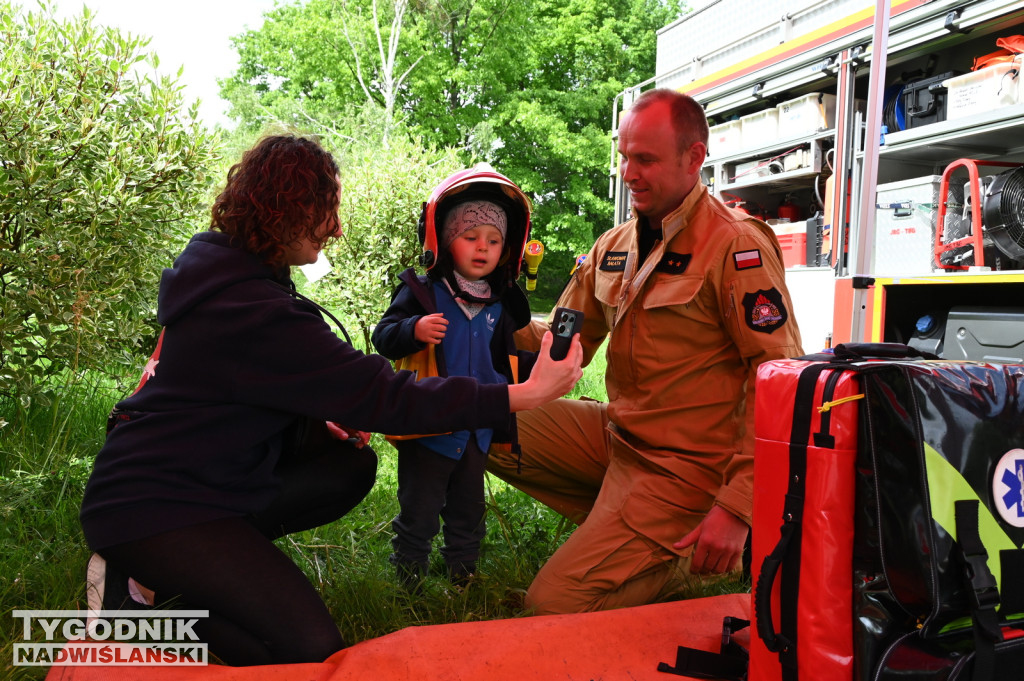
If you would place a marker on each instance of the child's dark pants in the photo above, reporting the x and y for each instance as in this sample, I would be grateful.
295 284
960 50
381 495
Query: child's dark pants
431 488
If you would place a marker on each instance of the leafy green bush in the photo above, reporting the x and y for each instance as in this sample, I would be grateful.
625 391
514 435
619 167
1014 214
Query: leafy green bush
101 173
383 185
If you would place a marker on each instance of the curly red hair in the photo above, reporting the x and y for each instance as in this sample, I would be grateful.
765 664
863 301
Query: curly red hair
282 189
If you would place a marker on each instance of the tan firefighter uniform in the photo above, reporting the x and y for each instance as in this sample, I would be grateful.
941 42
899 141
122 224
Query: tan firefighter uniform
688 329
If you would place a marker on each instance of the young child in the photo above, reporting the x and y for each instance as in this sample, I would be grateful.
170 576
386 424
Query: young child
473 228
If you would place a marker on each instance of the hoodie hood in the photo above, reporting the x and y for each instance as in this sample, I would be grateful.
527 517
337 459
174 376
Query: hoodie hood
207 266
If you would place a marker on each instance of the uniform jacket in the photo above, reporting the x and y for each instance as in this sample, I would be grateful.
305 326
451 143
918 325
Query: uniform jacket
394 336
688 330
241 364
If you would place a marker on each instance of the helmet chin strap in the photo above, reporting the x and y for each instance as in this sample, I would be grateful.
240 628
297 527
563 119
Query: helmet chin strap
457 292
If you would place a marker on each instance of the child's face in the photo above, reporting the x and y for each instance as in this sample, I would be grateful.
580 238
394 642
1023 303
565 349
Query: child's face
476 251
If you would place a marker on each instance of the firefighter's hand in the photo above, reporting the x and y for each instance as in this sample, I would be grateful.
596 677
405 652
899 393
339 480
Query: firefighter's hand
358 437
431 328
717 542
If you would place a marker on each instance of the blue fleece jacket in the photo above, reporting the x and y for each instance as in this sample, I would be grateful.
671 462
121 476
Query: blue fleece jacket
416 296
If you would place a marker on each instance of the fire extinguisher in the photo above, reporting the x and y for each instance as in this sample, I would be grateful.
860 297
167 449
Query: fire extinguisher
788 210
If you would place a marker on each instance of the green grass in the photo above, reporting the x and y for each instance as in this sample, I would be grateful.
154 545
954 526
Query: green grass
46 454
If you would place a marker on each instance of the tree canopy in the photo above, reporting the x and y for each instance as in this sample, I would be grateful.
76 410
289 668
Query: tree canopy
526 85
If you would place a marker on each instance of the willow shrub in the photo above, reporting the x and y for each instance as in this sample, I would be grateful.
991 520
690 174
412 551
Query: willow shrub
102 171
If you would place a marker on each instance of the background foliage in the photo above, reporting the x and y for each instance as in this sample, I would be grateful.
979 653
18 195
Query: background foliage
101 173
526 85
382 188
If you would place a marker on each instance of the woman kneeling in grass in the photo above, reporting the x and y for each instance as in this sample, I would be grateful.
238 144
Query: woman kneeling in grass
231 440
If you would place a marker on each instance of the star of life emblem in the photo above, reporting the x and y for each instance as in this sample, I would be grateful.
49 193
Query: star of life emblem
1008 487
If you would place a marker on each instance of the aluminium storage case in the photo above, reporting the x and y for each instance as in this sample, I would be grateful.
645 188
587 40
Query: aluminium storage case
905 226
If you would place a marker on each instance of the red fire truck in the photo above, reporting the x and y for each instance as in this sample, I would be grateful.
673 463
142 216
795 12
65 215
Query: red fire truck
884 143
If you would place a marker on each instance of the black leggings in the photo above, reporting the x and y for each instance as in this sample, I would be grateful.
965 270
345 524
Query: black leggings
263 609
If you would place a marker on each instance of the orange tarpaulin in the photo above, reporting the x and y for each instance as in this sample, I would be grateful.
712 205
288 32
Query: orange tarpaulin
617 644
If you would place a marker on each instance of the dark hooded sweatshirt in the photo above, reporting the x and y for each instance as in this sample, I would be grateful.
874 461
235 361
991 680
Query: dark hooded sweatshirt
242 362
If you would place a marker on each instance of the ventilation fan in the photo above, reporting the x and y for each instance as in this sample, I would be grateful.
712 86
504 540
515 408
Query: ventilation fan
1003 212
980 221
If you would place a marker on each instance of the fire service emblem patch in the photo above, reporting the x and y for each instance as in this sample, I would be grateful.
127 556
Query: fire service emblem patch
765 310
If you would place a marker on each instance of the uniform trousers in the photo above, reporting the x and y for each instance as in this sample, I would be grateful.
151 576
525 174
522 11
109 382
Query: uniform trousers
629 508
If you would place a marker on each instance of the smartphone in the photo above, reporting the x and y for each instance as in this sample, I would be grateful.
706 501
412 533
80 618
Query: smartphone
566 323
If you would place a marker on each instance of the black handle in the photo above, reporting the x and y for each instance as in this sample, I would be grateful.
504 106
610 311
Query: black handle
773 640
879 351
914 112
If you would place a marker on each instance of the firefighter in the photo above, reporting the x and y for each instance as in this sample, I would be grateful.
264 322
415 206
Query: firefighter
691 297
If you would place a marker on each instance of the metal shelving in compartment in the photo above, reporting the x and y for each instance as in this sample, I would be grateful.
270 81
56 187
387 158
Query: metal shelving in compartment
994 134
786 181
723 171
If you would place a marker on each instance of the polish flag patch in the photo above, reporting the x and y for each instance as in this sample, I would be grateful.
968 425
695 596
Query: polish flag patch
746 259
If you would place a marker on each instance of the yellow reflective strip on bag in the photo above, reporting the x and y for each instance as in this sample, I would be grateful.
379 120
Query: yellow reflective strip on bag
422 363
946 485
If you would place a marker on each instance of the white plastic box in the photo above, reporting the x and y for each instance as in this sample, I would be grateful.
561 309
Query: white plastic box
905 226
806 115
759 129
978 91
751 170
724 139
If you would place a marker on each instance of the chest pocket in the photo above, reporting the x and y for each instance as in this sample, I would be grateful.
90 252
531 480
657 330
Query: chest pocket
677 319
669 290
607 288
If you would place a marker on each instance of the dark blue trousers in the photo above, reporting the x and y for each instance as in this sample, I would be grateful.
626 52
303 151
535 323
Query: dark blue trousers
431 488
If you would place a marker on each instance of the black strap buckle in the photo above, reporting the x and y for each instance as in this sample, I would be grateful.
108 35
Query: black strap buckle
729 664
984 590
